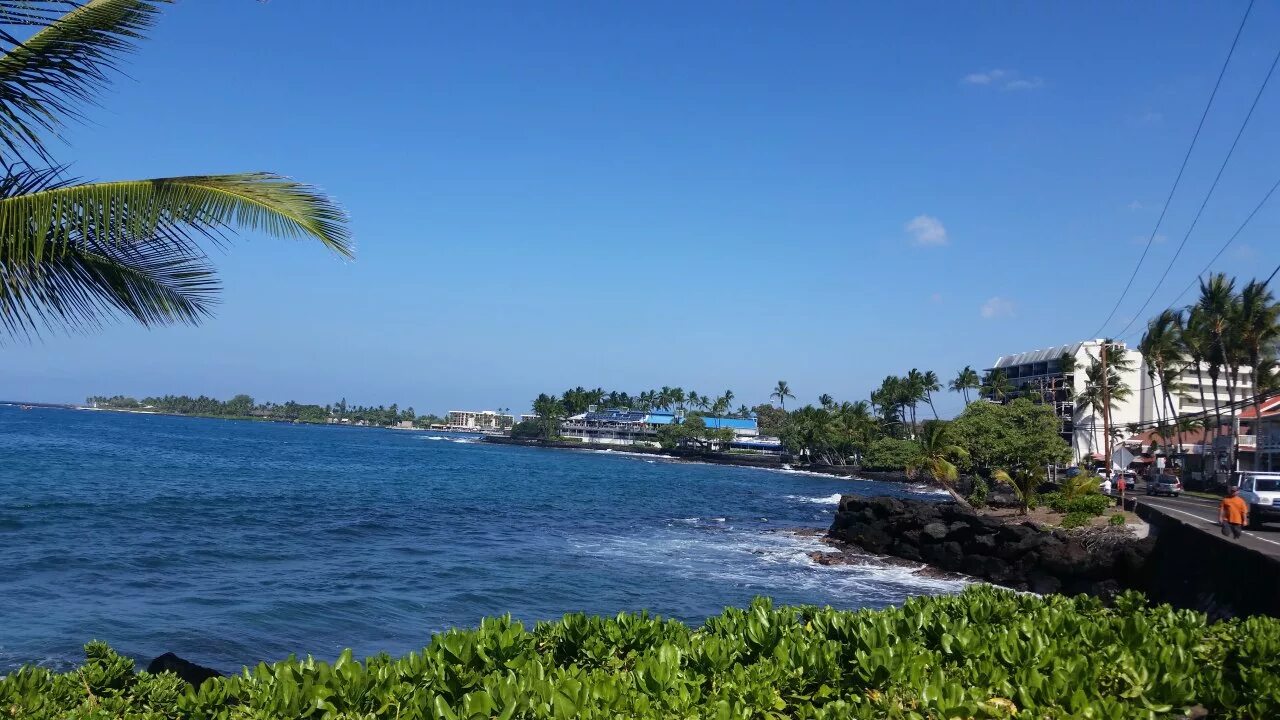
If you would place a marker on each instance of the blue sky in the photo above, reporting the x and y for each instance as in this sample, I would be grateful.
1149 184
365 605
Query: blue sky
711 195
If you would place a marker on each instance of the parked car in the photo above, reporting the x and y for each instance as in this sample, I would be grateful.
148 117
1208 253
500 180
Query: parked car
1262 491
1164 485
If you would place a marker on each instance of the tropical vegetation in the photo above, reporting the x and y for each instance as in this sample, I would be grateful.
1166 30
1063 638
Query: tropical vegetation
1226 330
74 254
244 407
985 653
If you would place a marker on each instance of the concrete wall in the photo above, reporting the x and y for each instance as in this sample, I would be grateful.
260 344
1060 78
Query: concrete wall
1196 569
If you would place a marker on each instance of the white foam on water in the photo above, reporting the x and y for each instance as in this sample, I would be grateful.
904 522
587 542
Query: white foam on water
765 563
828 500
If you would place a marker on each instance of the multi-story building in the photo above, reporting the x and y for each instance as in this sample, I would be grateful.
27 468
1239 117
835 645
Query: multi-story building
640 427
479 420
1041 375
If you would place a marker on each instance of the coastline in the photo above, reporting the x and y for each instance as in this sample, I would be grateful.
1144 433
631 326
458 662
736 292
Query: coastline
764 462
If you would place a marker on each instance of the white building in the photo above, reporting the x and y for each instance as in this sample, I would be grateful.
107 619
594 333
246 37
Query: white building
1039 373
479 420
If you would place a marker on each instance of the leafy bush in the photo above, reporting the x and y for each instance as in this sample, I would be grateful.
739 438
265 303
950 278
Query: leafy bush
1116 520
890 454
988 653
1054 501
1092 505
1076 519
978 494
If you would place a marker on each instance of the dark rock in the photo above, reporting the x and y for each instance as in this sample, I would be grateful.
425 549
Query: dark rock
1043 583
905 550
984 544
935 531
188 671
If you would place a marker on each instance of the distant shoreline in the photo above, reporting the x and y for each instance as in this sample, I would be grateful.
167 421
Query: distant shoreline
763 462
247 418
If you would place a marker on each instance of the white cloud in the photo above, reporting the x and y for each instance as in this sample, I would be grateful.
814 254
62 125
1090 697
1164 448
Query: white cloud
983 78
1005 79
927 230
997 307
1243 251
1135 205
1024 84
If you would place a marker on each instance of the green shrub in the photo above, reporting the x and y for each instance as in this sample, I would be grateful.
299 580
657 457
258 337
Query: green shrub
1054 501
889 454
1092 505
1076 519
987 653
1116 520
978 494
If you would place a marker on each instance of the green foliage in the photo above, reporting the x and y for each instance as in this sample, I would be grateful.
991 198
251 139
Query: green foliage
1116 520
987 653
1018 437
889 454
1054 501
1092 505
243 406
1089 505
527 430
978 494
1076 519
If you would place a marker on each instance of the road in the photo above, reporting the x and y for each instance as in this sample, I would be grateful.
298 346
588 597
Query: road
1265 539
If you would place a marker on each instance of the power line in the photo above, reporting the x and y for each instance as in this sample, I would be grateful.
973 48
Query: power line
1181 170
1209 194
1214 259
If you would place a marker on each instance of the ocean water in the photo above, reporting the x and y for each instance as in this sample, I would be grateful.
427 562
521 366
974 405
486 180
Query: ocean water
232 542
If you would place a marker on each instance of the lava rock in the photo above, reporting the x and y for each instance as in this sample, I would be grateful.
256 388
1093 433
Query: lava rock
185 669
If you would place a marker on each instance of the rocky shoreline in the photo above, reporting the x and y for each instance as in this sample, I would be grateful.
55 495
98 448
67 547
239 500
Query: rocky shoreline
954 539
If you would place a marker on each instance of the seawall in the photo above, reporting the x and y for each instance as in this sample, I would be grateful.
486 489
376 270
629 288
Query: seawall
1190 567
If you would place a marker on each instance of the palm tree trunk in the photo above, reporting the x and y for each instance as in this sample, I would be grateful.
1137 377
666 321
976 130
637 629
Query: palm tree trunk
929 399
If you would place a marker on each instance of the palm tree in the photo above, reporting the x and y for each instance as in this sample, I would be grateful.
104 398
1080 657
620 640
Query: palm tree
728 397
966 380
782 391
75 254
997 385
826 401
1258 332
930 384
549 411
936 455
1217 307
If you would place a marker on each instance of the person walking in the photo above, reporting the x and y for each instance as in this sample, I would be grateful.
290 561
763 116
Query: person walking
1233 513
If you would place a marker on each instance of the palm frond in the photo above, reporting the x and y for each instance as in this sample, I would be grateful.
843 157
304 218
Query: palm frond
127 211
45 77
74 254
156 280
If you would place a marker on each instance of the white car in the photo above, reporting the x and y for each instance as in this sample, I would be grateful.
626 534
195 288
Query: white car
1262 491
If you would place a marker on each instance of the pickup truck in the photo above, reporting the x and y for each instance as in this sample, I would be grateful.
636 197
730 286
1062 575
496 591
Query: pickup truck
1262 491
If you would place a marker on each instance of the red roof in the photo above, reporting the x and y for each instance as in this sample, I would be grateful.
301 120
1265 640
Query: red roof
1270 408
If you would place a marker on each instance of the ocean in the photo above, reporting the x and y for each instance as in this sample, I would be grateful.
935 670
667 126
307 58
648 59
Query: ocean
230 542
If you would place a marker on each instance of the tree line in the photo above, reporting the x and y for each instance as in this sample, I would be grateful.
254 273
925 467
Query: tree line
244 406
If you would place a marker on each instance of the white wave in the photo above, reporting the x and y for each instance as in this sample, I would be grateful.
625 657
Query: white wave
927 489
828 500
767 563
628 453
434 437
465 441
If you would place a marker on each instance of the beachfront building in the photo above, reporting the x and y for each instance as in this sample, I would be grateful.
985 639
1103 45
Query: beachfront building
622 426
1043 376
479 420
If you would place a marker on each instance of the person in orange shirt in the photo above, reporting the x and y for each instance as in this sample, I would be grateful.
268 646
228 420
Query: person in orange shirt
1233 513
